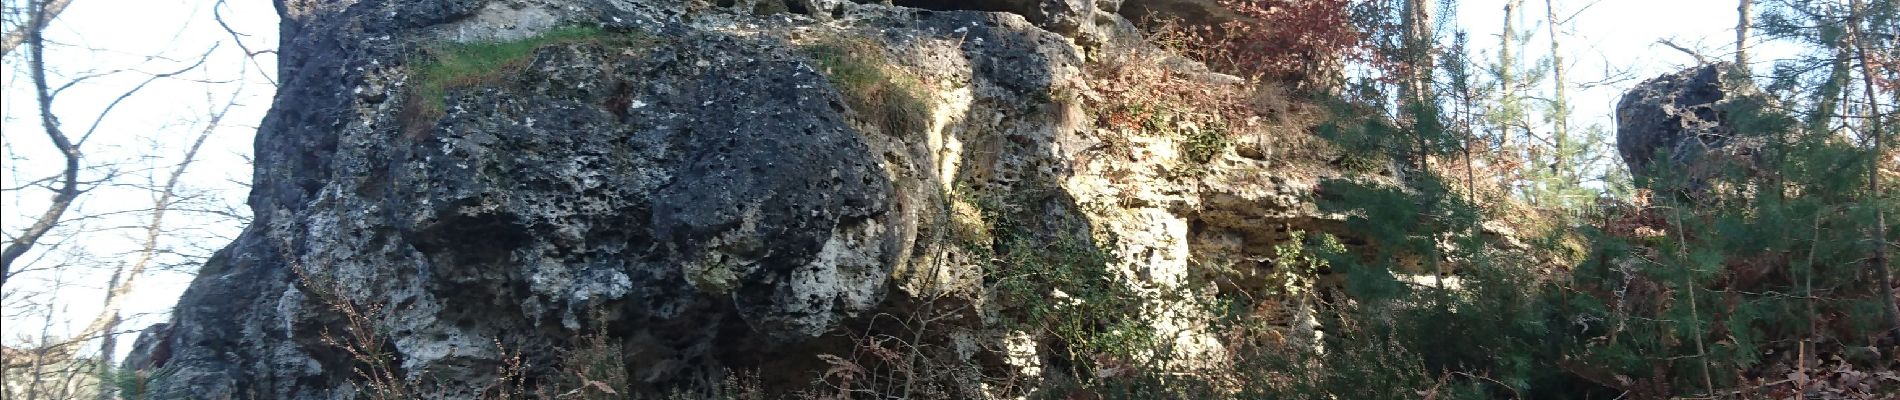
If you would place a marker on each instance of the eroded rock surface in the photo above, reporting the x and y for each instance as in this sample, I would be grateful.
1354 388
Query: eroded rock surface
696 187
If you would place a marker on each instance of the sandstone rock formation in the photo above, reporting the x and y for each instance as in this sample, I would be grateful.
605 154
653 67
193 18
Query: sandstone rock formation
697 187
1689 124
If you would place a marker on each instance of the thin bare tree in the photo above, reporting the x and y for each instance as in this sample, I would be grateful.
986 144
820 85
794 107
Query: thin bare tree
1744 19
1418 47
1560 103
104 325
1872 121
67 190
67 186
1507 75
56 359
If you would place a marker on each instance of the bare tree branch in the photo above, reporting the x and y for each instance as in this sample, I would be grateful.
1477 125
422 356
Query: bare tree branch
218 15
154 230
141 86
17 37
66 185
69 188
1699 58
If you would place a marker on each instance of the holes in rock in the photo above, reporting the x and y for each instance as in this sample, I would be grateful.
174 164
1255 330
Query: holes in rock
376 184
471 240
1705 113
770 7
797 7
621 101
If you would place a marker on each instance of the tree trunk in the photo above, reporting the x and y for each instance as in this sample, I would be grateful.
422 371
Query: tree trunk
1418 31
1560 106
1507 74
1743 19
1874 129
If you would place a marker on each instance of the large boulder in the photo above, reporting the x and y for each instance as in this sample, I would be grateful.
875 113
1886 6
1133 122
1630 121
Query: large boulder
700 192
707 192
1692 125
695 192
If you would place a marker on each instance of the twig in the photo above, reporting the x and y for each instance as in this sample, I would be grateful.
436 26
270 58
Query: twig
1699 59
217 15
69 187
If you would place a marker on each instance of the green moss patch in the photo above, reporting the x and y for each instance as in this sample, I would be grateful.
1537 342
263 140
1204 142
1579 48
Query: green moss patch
446 67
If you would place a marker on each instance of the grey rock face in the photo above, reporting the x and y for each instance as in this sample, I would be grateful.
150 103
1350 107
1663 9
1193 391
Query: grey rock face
1687 122
698 195
706 158
690 184
695 187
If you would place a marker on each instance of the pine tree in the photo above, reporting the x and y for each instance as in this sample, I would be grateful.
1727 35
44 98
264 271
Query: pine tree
1840 37
1873 125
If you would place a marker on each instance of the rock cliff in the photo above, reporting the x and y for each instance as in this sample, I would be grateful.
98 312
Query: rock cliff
721 189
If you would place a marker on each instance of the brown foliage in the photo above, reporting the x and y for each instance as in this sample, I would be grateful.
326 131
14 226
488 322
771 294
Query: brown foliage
1298 42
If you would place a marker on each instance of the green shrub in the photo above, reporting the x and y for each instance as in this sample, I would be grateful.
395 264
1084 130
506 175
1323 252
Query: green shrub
136 384
1055 282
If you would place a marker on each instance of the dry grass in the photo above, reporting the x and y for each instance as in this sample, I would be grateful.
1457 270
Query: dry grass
893 101
1143 92
594 369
